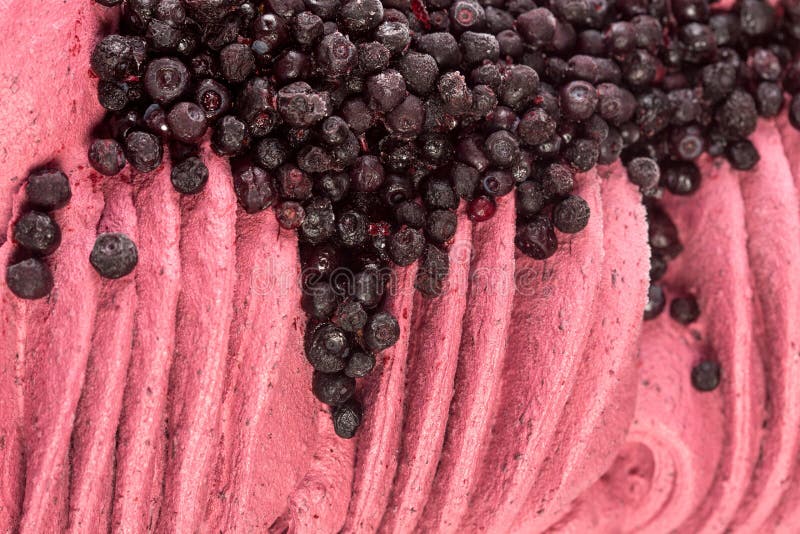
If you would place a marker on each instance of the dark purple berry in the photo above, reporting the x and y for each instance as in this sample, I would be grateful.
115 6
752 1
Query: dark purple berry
29 279
742 155
319 301
537 26
737 116
190 176
579 99
360 364
537 238
351 317
213 97
290 214
112 95
706 376
439 194
419 71
769 99
519 87
301 106
502 148
37 232
336 54
685 310
531 198
381 331
107 157
571 215
252 185
386 90
48 189
166 79
319 224
644 172
406 246
443 47
143 150
582 154
756 17
441 226
114 255
333 389
497 183
347 419
118 57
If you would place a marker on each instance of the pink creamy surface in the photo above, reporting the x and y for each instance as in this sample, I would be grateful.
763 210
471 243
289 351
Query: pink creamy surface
528 397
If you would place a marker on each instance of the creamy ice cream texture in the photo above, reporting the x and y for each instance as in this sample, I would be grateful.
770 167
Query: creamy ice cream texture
528 397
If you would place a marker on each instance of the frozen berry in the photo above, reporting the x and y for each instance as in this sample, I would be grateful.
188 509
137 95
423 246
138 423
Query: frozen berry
166 79
143 150
347 419
360 364
655 302
189 176
37 232
406 246
187 122
48 189
537 238
381 331
107 157
332 388
571 215
290 214
29 279
706 376
114 255
685 310
252 185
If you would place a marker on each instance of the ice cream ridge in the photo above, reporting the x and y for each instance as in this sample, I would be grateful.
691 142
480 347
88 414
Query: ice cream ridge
446 266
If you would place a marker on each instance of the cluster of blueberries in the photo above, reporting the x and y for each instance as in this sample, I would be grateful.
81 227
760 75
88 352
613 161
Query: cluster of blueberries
365 123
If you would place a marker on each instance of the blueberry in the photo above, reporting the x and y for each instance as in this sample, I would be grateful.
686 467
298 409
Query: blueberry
319 224
386 90
114 255
336 54
290 214
441 225
360 16
655 302
230 136
481 208
439 194
531 198
347 418
406 246
107 157
189 176
112 95
681 178
367 174
537 26
644 172
706 376
252 185
236 62
29 279
166 79
271 153
319 301
536 126
742 155
537 238
117 57
410 214
571 215
37 232
381 331
368 288
497 183
143 150
333 389
48 189
579 100
502 148
300 105
187 122
360 364
557 180
419 71
685 310
213 97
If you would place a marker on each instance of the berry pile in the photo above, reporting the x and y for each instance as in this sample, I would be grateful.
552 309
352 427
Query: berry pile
365 123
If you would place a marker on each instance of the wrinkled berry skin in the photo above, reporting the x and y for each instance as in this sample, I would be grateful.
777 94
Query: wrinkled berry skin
37 232
537 238
327 348
30 279
381 332
347 419
114 255
189 176
333 389
48 189
252 185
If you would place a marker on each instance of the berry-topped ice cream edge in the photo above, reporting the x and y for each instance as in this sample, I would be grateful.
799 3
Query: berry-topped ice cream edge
426 266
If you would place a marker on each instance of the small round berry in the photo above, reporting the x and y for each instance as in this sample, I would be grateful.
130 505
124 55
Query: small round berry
571 215
360 364
290 214
658 267
113 96
406 246
769 99
107 157
742 155
190 176
537 238
230 136
441 226
143 150
166 79
333 389
579 100
187 122
439 194
644 172
360 16
271 153
117 57
347 419
481 209
213 97
557 180
252 185
29 279
114 255
386 90
685 310
336 54
37 232
319 301
381 331
319 224
301 106
497 183
537 26
350 316
351 228
48 189
655 302
502 148
681 178
706 376
236 62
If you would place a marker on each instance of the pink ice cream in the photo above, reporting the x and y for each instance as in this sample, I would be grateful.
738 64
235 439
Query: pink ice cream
529 397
